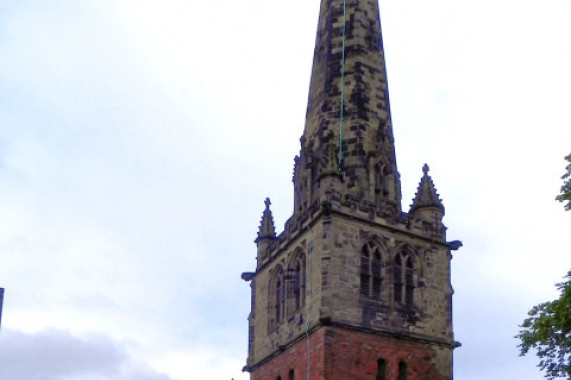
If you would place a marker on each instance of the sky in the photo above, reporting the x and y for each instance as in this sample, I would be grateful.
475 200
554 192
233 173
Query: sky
139 139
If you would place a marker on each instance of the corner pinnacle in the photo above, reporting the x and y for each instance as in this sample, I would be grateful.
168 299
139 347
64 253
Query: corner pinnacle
267 227
426 195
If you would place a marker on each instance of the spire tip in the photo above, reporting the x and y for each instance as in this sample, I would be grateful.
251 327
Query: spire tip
425 169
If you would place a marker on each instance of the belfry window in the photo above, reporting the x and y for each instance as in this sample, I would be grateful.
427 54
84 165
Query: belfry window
277 297
403 275
279 292
296 283
371 272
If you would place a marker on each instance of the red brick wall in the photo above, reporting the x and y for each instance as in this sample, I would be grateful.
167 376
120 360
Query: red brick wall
354 355
295 357
340 354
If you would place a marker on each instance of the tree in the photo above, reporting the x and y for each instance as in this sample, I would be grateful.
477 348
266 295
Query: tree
548 330
566 188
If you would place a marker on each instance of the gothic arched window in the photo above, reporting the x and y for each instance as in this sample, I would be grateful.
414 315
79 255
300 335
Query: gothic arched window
296 285
403 275
371 272
277 297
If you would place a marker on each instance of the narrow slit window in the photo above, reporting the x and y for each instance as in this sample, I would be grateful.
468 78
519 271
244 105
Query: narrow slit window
402 371
381 370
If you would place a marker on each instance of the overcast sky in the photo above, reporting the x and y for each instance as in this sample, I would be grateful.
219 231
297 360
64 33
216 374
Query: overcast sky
138 140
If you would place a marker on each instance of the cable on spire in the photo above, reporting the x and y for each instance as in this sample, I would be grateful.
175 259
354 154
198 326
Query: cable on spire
341 110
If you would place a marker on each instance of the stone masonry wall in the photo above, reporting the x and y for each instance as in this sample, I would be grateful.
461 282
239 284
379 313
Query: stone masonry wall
332 247
268 337
430 315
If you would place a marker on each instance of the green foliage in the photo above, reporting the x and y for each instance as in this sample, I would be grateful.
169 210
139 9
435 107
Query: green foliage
565 195
548 330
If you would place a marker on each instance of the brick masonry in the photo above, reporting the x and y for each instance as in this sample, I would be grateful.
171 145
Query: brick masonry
341 354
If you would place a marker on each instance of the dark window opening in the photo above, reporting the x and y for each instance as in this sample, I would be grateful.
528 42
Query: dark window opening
402 371
381 369
291 375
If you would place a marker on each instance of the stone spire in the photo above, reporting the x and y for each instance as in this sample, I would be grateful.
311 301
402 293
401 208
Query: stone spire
426 195
323 280
368 170
267 229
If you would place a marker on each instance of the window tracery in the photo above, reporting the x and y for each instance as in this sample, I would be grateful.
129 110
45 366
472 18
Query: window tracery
297 283
371 271
403 276
276 297
286 291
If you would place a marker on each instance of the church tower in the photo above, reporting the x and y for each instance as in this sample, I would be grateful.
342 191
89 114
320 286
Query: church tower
354 287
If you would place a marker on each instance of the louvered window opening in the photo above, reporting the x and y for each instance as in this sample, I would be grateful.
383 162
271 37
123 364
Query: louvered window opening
371 272
403 275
